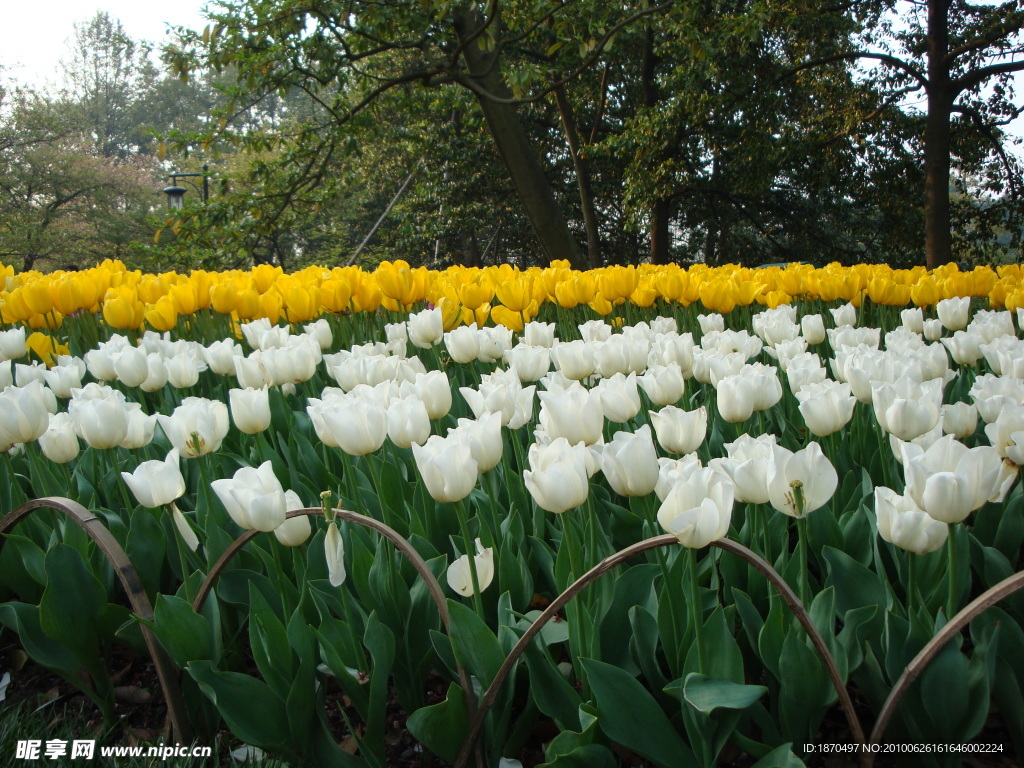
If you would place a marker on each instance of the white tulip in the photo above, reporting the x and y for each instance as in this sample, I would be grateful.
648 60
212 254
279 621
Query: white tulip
575 414
801 482
156 483
334 550
447 467
140 428
253 498
250 409
903 523
483 436
680 431
426 328
826 407
60 441
460 578
953 312
698 510
620 399
12 343
463 344
813 328
408 422
950 480
630 462
959 420
558 479
196 427
101 421
664 384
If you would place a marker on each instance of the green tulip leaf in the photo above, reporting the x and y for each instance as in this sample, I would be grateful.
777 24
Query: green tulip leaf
442 727
184 634
630 716
706 694
253 712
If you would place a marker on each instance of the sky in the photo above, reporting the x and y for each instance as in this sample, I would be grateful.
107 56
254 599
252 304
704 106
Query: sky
35 36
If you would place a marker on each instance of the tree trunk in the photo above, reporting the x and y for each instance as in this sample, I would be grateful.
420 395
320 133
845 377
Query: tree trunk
659 231
510 139
938 240
582 168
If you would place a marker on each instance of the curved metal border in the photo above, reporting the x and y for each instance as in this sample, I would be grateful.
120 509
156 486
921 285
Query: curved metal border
129 578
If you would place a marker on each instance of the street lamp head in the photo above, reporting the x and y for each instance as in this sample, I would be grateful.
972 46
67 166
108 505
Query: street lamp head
175 196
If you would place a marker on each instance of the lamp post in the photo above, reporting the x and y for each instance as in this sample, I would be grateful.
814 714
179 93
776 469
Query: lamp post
176 194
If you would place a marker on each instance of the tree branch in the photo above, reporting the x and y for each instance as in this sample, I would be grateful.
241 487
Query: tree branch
976 76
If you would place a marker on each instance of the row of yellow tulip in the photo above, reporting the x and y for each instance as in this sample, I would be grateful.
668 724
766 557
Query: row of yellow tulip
505 294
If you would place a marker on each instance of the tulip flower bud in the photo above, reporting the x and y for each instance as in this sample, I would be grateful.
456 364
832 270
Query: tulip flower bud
953 312
630 463
253 497
250 409
334 549
903 523
156 483
60 441
408 422
680 431
426 328
447 467
558 479
698 510
959 420
813 328
294 530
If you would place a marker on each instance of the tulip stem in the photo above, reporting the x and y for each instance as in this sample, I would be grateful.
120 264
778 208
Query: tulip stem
697 608
953 574
460 510
801 549
911 582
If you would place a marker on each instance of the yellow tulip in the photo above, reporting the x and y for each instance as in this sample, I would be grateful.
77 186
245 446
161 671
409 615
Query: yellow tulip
335 294
515 295
224 297
264 276
925 293
507 317
162 315
67 295
37 296
14 308
718 295
270 306
302 303
473 295
183 296
45 348
367 297
122 308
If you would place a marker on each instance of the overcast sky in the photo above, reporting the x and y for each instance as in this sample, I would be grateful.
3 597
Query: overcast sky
35 36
